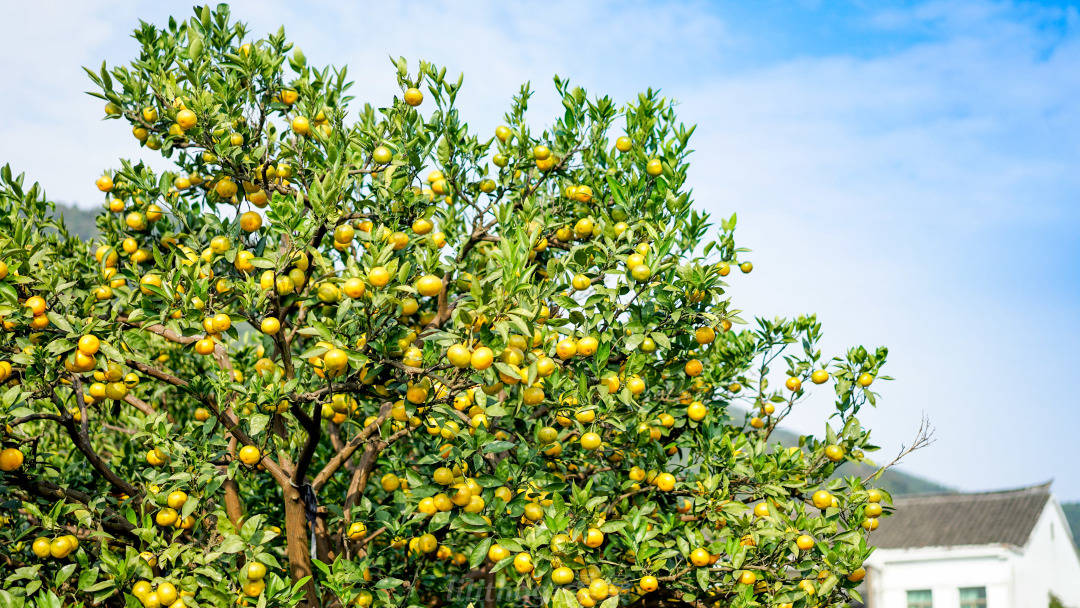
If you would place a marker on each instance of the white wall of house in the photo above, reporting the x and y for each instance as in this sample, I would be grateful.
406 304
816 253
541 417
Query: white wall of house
1013 577
943 570
1049 563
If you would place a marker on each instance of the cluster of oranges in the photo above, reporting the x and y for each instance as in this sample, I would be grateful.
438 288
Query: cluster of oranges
169 515
36 306
58 547
254 582
164 595
108 383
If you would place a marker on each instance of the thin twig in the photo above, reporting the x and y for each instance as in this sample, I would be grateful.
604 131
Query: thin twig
924 437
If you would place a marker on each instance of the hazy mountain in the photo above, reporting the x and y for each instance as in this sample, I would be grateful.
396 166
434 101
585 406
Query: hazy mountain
79 221
1072 514
893 480
899 483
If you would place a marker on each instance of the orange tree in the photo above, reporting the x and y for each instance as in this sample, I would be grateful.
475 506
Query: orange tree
371 357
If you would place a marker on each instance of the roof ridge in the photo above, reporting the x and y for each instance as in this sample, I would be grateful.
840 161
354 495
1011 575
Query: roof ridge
1041 488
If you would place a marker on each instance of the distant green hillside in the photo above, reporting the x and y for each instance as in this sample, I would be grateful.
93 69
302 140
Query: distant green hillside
894 481
1072 514
79 221
899 483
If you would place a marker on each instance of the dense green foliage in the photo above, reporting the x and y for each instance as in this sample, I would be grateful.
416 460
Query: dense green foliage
344 354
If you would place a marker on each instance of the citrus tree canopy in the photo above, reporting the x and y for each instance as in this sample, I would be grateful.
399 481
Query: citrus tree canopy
343 354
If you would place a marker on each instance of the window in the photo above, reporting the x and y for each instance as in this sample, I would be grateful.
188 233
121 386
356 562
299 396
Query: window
920 598
973 597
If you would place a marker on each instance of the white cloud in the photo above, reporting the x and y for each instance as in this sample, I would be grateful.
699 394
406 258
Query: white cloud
892 194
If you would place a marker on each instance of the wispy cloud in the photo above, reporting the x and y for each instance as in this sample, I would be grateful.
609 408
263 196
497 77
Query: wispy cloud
925 199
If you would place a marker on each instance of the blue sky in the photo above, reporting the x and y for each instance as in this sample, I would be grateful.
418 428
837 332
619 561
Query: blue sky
906 170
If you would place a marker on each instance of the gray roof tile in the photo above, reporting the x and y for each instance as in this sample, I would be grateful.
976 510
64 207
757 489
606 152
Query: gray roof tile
949 520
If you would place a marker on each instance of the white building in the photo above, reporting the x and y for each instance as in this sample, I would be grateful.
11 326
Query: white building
1008 549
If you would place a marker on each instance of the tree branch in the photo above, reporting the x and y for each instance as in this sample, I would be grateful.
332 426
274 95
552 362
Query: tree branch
81 438
314 429
234 507
347 451
923 438
220 354
140 405
112 521
33 417
227 417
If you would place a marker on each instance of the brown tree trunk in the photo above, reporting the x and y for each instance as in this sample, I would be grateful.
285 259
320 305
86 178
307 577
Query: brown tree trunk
352 496
233 508
324 548
489 589
296 542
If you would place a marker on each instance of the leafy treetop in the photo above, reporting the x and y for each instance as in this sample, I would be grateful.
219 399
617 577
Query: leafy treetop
363 355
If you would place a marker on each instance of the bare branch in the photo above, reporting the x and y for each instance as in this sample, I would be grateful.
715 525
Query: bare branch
924 437
112 521
139 404
33 417
347 451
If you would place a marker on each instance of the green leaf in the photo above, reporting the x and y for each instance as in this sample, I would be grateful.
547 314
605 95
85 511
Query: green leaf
258 422
32 587
60 322
498 446
438 521
563 598
702 575
48 600
479 553
64 574
232 544
87 577
474 520
8 293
